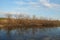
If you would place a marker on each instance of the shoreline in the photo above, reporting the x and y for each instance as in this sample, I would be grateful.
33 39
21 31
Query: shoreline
28 23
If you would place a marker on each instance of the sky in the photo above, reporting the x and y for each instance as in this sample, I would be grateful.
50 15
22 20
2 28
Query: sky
40 8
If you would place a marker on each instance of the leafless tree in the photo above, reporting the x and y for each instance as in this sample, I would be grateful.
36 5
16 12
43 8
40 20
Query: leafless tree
9 17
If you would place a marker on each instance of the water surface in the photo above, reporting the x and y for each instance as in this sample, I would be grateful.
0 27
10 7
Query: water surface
31 34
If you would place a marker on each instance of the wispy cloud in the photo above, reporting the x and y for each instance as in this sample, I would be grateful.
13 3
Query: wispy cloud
20 2
46 3
31 3
7 12
25 13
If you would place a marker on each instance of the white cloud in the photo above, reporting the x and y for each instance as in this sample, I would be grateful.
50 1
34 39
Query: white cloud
20 2
14 14
33 4
25 13
46 3
3 12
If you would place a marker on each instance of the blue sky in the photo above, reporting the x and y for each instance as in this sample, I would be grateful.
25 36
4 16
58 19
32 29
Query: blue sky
44 8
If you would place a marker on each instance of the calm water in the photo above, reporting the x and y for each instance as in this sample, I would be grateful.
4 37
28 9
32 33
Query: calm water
31 34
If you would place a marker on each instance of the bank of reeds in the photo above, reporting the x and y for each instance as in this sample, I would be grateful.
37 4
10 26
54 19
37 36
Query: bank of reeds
22 22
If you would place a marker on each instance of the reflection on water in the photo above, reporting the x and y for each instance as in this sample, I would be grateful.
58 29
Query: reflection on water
31 34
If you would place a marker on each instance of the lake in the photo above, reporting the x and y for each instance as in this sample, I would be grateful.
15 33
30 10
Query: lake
31 34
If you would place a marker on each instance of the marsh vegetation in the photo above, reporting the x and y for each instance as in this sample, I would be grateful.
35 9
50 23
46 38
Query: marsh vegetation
25 28
21 21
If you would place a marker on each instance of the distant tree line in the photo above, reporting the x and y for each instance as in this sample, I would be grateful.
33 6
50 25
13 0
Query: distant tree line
22 21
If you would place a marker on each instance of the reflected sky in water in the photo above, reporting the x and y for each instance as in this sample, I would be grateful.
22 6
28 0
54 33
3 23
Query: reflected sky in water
31 34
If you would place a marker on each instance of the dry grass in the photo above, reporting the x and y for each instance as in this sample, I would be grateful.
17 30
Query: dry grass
28 23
